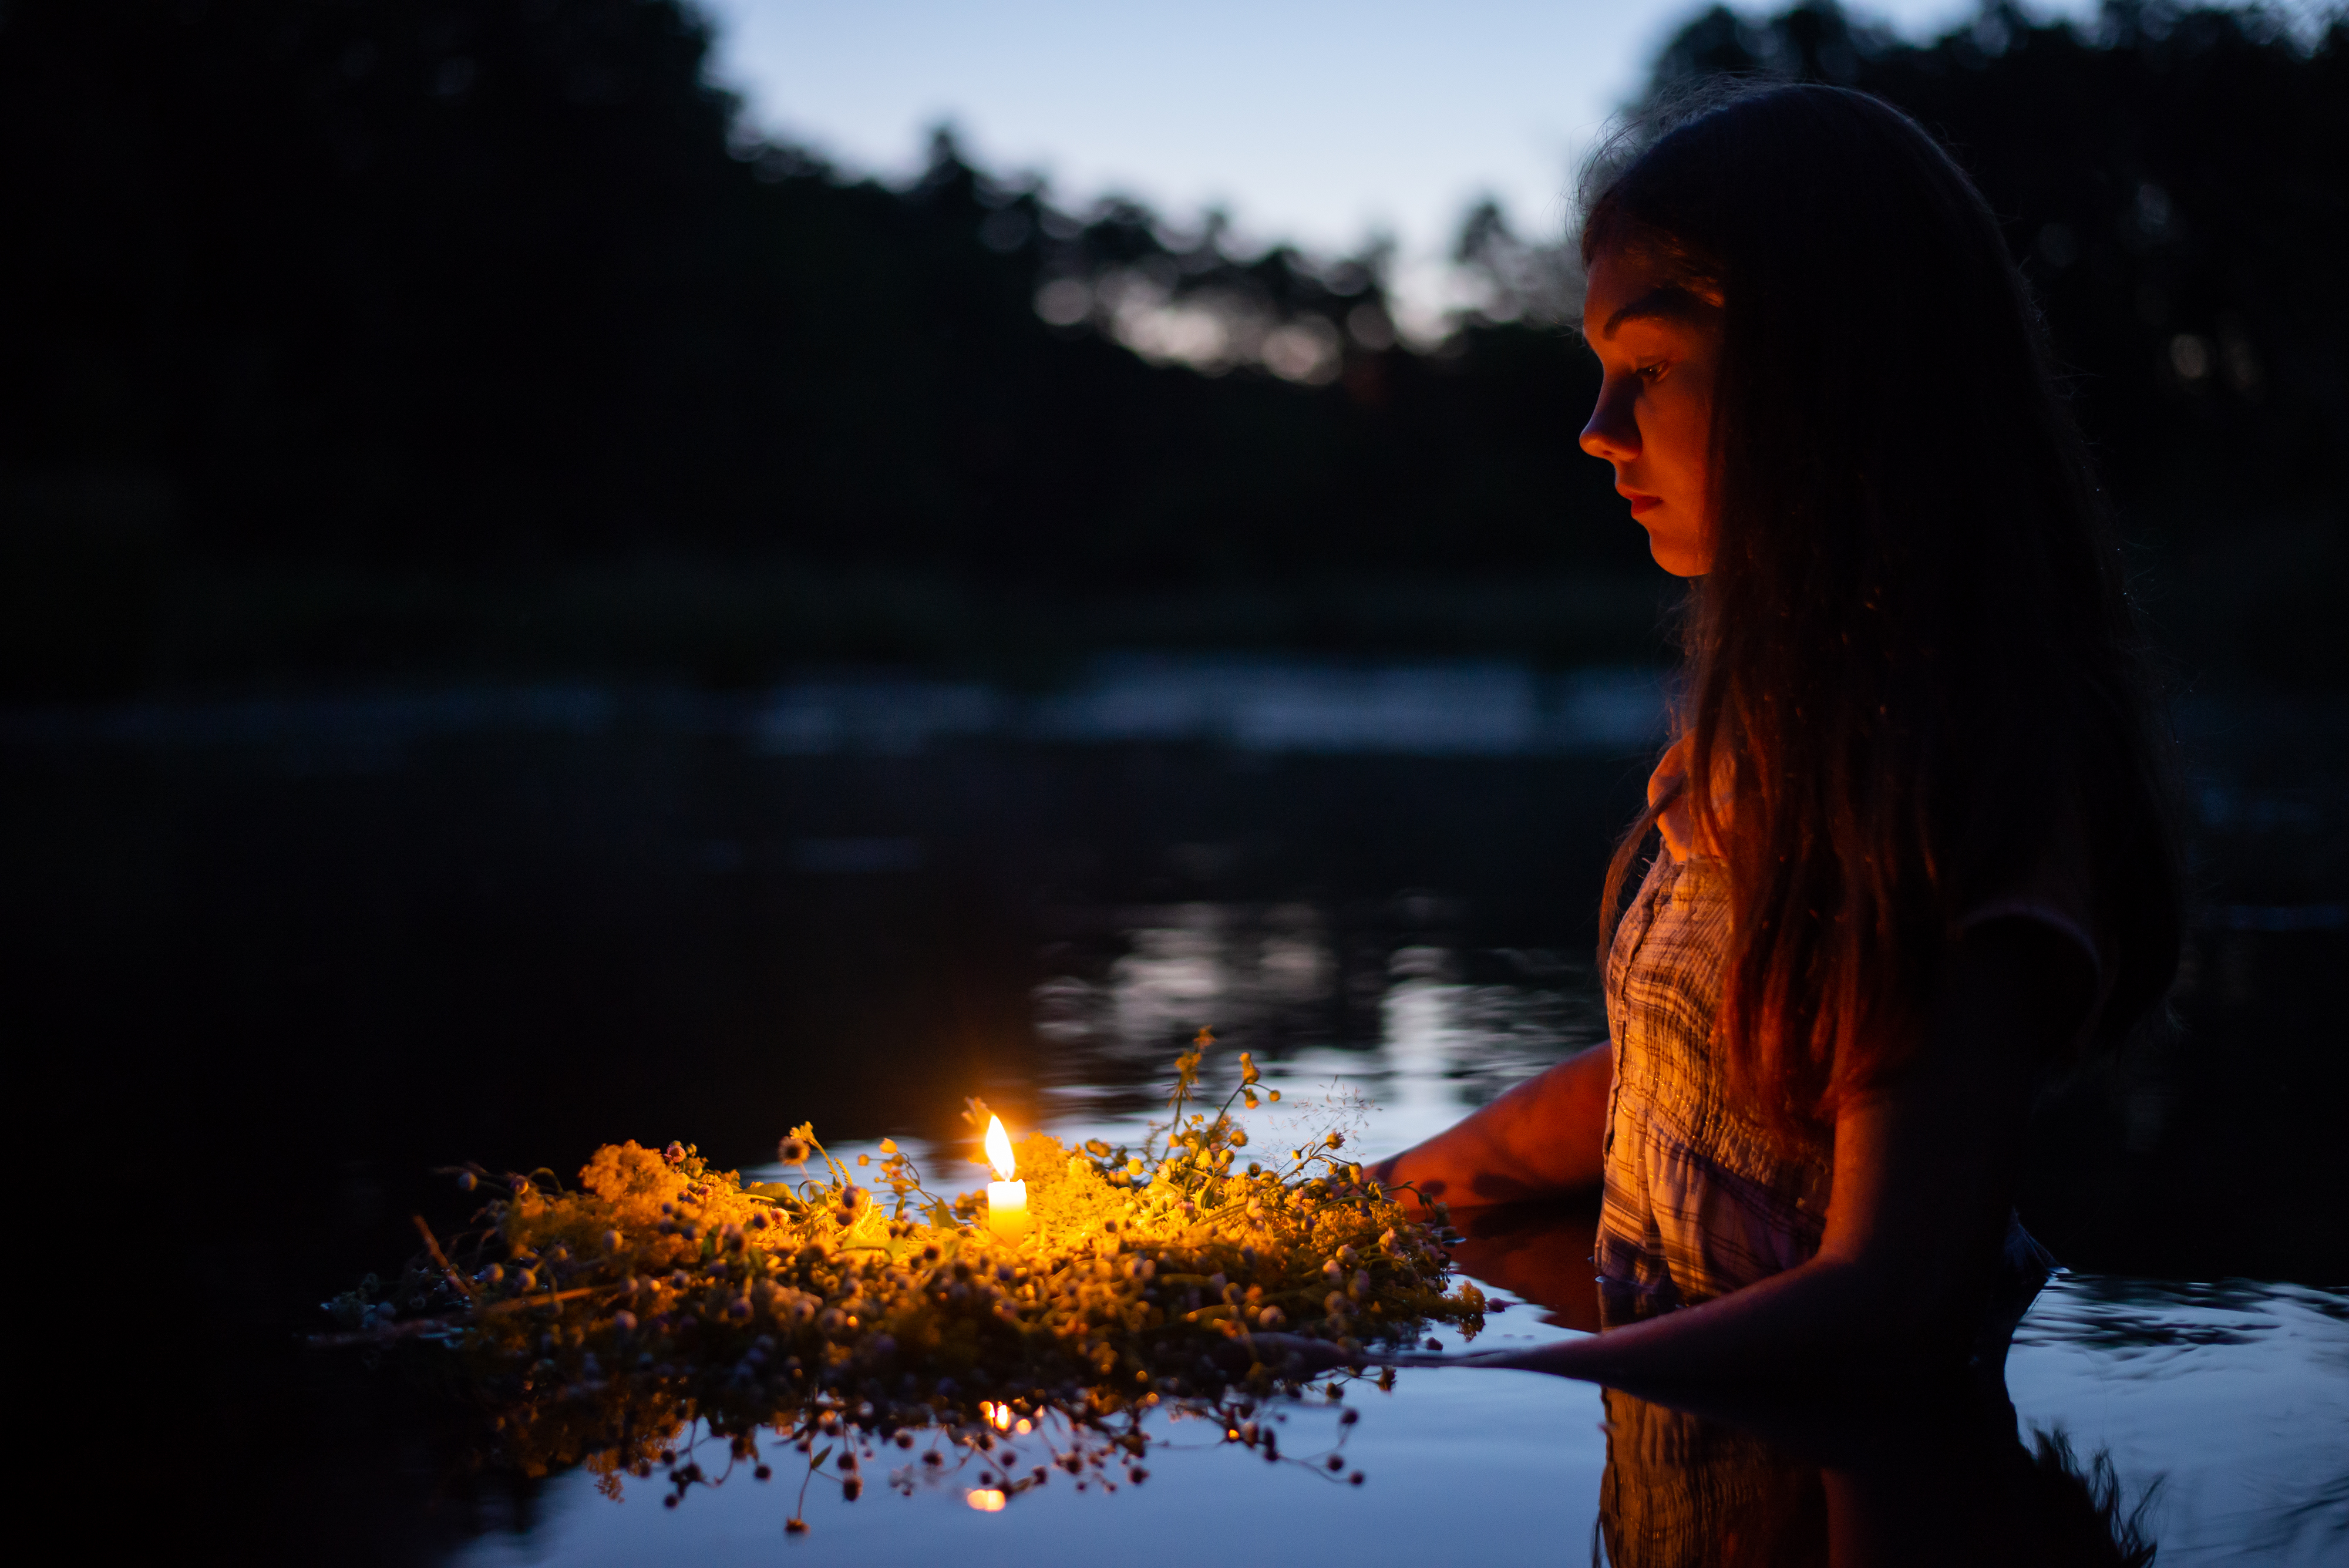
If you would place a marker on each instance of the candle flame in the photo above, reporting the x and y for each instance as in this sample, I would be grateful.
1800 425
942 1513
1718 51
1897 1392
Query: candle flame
999 1149
989 1501
998 1416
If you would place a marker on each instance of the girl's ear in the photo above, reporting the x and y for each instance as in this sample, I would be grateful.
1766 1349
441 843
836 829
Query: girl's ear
1668 797
1672 772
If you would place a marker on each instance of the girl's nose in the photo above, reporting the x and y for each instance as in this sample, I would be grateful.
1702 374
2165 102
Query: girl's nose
1612 434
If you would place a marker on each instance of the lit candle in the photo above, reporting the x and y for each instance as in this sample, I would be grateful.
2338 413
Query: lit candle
1007 1200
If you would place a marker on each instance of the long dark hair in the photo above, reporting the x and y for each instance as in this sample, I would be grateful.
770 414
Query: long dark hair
1914 676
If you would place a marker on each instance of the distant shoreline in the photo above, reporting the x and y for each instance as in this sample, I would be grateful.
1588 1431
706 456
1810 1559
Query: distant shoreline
723 624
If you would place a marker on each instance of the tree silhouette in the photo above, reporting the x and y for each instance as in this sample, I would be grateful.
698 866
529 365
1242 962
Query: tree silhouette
472 286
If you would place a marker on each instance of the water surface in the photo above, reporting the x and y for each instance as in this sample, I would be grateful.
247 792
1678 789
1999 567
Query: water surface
309 947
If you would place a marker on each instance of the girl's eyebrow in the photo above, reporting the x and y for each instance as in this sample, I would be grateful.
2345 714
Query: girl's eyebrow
1666 302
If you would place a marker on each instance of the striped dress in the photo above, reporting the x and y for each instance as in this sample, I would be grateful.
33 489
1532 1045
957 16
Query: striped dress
1700 1200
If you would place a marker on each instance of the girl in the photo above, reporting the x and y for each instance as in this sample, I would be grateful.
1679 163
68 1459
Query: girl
1914 841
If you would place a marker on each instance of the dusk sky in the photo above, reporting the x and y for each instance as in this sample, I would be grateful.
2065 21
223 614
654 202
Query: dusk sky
1307 119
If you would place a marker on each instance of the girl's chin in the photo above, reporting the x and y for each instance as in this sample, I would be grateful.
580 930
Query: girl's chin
1678 556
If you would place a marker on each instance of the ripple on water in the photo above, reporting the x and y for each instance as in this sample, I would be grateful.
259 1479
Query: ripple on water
2231 1398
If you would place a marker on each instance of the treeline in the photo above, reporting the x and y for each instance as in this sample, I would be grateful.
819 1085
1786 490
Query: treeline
485 276
487 287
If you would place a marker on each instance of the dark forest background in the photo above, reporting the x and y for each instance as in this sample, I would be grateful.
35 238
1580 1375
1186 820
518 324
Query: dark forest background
368 338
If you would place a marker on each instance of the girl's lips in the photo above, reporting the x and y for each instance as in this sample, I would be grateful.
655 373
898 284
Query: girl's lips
1642 503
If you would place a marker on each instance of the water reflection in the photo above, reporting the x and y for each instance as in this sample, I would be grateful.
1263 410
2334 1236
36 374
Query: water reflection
1936 1480
2129 1410
370 935
1922 1474
2085 1453
1457 708
1386 999
2096 1440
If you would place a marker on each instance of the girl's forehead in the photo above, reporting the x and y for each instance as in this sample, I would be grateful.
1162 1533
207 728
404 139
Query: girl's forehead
1647 302
1619 271
1630 281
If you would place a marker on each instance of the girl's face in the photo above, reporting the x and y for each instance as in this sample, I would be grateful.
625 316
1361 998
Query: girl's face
1657 341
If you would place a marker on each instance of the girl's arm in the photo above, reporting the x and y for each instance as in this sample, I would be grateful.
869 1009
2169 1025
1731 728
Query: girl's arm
1544 1136
1923 1178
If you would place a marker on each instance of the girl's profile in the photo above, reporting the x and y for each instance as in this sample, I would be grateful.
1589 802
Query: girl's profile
1909 846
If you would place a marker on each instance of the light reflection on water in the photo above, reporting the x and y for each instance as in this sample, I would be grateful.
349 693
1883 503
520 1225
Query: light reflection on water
1406 1028
2236 1393
2234 1400
2227 1401
861 896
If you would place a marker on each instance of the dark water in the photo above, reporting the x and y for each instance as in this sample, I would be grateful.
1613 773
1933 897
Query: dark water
273 960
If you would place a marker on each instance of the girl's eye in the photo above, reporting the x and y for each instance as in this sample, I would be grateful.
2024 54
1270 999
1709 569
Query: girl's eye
1650 373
